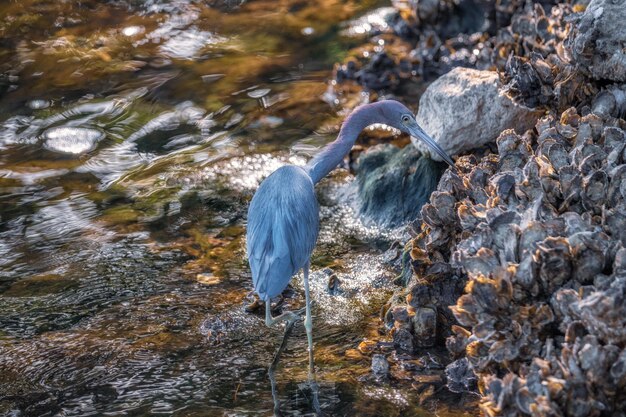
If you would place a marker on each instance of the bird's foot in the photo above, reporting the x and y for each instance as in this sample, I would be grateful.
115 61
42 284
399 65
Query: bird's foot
296 315
289 317
311 391
278 303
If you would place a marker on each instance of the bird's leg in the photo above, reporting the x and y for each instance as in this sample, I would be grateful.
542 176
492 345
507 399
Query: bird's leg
288 316
274 364
308 322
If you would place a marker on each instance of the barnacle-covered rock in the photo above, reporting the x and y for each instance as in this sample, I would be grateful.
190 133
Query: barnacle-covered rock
604 312
610 102
530 54
570 375
597 42
457 342
513 150
553 263
403 340
529 230
591 253
425 327
459 376
538 233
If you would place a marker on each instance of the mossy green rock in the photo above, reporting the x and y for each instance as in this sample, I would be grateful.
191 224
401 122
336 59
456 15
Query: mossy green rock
394 183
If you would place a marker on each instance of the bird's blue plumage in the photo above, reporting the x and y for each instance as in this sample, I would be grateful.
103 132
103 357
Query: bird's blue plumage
283 219
283 224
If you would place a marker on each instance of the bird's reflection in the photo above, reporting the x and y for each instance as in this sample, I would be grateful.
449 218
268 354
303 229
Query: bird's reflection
308 387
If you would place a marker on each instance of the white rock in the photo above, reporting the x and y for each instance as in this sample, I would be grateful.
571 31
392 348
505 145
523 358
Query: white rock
71 140
465 109
38 104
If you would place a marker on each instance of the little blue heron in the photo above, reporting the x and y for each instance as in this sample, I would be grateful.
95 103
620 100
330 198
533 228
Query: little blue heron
283 218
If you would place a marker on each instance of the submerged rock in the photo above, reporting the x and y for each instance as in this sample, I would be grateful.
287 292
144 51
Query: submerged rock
403 341
38 104
466 109
380 366
460 377
71 140
425 327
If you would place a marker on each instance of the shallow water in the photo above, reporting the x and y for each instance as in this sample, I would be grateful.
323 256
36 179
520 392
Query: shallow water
132 136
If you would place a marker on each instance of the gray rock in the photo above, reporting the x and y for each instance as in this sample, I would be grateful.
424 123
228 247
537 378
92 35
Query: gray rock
425 327
427 9
597 42
460 377
380 366
403 340
395 183
400 314
618 369
466 109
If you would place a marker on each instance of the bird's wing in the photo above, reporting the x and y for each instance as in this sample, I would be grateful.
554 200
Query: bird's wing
283 224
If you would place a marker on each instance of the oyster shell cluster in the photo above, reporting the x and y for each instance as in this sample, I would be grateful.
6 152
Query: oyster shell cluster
538 231
518 38
519 265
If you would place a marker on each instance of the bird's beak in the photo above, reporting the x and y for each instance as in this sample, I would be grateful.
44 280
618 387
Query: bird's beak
416 131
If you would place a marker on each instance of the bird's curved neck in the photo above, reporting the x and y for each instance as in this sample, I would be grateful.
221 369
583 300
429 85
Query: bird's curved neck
333 153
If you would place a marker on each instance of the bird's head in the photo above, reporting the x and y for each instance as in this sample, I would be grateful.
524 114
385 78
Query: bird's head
398 116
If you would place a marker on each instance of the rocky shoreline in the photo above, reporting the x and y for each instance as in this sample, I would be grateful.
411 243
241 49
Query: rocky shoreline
519 265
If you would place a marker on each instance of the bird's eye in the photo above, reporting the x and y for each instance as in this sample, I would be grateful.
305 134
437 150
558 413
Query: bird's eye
406 118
